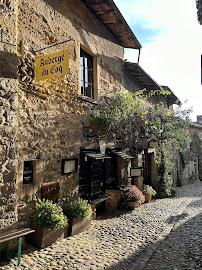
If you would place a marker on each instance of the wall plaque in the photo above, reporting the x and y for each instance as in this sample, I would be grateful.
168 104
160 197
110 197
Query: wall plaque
153 144
52 65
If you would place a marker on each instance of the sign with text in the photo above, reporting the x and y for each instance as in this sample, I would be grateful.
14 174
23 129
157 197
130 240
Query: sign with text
153 144
52 65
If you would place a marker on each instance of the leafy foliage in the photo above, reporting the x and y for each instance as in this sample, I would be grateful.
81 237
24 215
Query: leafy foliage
127 117
77 209
50 215
120 118
149 190
171 131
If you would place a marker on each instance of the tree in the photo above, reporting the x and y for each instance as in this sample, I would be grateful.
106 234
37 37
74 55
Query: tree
120 118
125 117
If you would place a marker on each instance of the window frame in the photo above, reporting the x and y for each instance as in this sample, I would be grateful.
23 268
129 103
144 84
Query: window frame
89 55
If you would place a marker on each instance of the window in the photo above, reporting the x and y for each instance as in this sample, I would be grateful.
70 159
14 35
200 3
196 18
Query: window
86 73
28 171
69 165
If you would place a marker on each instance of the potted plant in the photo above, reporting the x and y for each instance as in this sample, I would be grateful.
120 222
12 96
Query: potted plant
148 191
49 222
79 214
133 197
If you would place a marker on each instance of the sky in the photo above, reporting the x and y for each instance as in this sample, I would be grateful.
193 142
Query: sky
171 40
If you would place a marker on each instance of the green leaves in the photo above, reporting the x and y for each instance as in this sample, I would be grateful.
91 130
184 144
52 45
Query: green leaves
77 209
121 117
50 215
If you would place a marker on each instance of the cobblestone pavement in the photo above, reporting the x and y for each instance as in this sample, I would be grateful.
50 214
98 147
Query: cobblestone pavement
182 248
131 240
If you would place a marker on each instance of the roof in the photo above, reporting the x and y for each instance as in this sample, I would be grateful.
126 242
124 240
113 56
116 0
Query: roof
108 13
172 98
144 78
150 84
199 10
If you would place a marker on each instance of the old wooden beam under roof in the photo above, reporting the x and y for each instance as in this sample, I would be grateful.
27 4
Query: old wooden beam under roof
150 84
142 76
199 10
108 13
172 98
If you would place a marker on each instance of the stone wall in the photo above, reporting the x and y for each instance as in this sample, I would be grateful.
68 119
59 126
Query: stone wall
8 119
51 112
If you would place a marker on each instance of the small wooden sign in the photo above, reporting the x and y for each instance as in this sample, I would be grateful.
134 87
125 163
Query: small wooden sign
50 191
52 65
153 144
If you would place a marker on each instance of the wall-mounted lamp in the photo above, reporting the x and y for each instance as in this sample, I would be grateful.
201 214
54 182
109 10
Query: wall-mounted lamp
69 165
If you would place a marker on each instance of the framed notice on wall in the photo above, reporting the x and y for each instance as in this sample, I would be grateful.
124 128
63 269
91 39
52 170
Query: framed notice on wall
153 144
52 65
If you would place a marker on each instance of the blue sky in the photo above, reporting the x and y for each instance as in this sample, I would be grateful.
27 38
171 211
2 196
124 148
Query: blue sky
145 34
171 38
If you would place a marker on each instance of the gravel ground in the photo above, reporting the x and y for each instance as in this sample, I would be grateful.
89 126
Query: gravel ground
117 240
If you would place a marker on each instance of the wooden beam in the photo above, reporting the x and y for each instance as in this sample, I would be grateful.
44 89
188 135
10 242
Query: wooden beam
94 3
110 22
104 12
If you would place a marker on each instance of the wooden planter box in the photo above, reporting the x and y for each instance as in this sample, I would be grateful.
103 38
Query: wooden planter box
78 225
148 198
43 237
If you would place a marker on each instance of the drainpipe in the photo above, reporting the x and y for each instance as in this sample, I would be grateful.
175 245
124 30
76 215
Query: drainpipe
138 57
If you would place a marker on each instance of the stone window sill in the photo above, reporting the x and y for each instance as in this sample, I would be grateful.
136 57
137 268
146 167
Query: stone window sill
88 99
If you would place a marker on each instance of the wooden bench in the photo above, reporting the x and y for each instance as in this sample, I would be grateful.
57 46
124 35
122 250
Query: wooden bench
14 234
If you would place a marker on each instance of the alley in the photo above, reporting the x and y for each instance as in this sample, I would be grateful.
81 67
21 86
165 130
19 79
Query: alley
131 240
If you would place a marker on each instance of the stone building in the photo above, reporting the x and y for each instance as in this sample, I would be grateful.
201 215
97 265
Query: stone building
43 150
194 169
41 120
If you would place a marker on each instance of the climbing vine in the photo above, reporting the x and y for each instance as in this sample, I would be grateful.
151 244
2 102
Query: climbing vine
170 130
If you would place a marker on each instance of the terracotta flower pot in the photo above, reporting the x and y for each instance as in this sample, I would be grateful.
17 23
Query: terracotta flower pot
43 237
148 198
78 225
132 205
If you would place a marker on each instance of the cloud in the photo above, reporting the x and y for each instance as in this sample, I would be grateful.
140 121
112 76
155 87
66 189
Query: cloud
172 51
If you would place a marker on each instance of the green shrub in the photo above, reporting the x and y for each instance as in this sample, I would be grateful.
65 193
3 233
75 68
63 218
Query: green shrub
192 177
149 190
50 215
77 209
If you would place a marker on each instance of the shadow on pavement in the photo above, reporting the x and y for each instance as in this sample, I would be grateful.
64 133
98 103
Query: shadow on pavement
181 248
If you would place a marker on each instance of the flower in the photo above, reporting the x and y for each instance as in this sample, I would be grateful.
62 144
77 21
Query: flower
133 194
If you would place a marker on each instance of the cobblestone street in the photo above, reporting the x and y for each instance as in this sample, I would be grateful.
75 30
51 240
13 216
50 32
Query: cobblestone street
165 234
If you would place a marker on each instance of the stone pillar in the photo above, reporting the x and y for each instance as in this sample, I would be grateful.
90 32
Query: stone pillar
8 117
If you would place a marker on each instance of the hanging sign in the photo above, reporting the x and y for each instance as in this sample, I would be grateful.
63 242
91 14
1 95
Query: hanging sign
52 65
153 144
